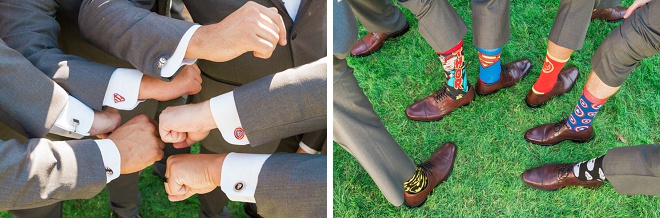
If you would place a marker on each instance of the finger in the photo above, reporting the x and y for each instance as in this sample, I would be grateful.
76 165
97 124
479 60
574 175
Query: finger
265 50
631 9
265 32
185 196
180 145
277 19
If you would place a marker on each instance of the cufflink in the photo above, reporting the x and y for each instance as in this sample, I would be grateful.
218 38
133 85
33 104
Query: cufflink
75 123
238 187
239 133
108 171
161 62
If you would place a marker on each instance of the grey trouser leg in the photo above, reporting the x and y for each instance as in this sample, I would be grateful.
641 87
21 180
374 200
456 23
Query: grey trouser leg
359 130
439 23
50 211
634 169
572 21
491 23
124 195
379 16
638 37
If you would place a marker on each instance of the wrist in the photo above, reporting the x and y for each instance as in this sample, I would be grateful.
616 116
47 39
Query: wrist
195 44
216 169
148 85
205 111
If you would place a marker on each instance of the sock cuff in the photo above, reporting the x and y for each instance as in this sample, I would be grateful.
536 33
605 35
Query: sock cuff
555 59
490 51
587 95
452 49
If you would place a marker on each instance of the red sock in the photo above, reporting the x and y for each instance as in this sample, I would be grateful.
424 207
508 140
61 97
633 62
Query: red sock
549 74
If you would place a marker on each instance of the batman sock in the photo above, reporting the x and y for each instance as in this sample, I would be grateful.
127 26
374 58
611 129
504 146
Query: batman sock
417 183
590 170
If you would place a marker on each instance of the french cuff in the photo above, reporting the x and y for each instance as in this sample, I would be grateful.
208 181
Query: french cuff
111 158
307 148
225 115
123 89
74 121
176 61
240 175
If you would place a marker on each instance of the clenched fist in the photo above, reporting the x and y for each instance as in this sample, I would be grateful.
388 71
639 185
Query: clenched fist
138 144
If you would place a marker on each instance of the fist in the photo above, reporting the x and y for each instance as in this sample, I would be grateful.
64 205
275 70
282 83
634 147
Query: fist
138 144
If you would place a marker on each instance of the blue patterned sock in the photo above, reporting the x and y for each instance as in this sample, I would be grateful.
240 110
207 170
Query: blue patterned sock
489 67
584 112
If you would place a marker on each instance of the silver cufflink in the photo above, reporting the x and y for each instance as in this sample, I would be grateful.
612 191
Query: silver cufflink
239 186
161 62
75 123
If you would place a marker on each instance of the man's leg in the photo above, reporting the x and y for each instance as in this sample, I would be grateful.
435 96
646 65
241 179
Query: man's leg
637 38
492 29
382 18
50 211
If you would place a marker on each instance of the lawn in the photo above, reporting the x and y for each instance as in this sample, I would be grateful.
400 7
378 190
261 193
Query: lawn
154 202
492 152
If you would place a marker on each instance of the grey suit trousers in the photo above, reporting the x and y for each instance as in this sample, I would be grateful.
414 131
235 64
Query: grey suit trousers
491 21
572 21
356 127
638 37
634 169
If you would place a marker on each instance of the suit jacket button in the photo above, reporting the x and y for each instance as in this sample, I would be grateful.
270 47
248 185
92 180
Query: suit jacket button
161 62
294 35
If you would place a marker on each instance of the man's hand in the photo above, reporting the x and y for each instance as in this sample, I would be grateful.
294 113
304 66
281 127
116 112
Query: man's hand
184 125
635 5
138 144
189 174
188 81
252 27
105 122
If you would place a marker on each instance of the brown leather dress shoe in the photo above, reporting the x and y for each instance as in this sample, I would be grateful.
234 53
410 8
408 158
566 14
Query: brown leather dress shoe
609 14
437 169
437 105
510 75
565 82
555 176
372 42
553 133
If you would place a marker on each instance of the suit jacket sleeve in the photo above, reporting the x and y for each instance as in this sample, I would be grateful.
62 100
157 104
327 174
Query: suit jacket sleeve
284 176
29 101
30 28
43 172
131 33
284 104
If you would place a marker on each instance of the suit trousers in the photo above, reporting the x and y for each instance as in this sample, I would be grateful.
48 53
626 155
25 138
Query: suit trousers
634 169
637 37
572 21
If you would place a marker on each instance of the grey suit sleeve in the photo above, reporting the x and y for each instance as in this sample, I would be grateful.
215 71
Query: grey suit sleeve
30 28
43 172
29 101
284 104
283 179
132 33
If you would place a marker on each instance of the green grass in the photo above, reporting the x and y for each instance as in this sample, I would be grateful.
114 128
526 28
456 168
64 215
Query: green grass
492 153
154 201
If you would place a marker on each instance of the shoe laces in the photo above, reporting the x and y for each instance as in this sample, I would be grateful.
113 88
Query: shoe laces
441 94
558 125
427 166
563 172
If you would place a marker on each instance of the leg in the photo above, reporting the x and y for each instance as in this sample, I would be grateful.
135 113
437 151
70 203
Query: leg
382 19
50 211
124 195
632 169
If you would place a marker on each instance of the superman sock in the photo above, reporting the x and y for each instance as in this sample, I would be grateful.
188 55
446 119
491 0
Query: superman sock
549 74
452 62
489 65
590 170
417 183
584 112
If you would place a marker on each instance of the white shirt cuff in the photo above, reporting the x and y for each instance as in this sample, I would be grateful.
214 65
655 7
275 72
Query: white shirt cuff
123 89
111 158
240 175
176 61
307 148
223 109
74 121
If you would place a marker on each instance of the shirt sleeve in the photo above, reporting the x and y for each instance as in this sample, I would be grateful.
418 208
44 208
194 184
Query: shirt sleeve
123 89
307 148
111 158
176 61
240 175
225 115
74 121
